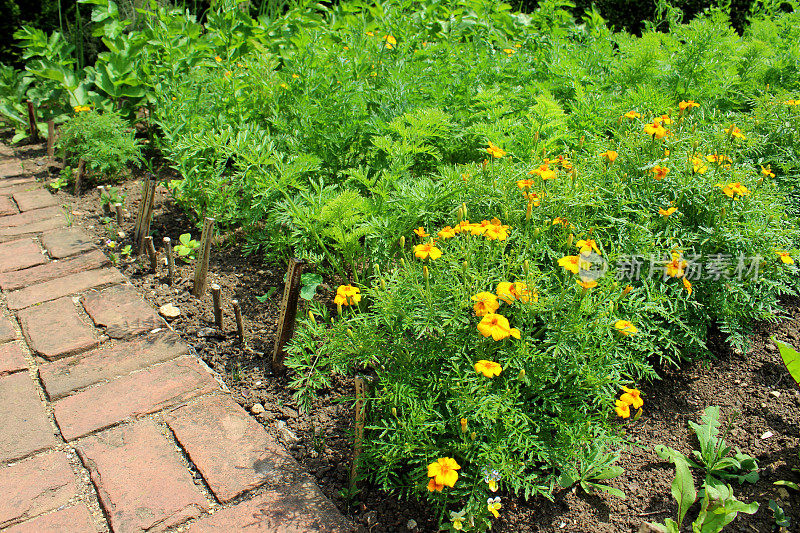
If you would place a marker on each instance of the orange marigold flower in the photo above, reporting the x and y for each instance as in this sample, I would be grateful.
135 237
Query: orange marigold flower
573 263
688 286
792 102
586 283
586 246
497 327
427 250
733 131
785 258
496 151
655 130
659 172
562 221
443 472
446 232
767 172
489 369
485 303
508 292
525 184
609 155
625 327
687 105
663 119
632 397
420 232
509 51
623 410
533 198
632 115
347 295
719 159
698 166
544 171
675 268
667 212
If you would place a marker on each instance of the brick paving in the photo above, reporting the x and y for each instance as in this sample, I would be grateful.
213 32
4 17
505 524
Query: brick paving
109 421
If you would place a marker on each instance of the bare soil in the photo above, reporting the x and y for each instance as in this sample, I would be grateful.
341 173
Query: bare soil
755 392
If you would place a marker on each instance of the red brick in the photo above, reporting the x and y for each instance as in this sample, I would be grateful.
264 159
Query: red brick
63 377
7 331
52 270
17 232
55 329
26 219
10 168
136 394
140 479
25 427
75 519
56 288
121 311
12 358
35 199
6 183
7 206
238 455
23 253
35 486
6 152
297 506
66 242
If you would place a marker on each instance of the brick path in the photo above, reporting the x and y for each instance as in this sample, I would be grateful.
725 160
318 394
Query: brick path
108 422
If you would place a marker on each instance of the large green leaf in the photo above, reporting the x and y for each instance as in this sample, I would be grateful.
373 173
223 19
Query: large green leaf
791 358
683 489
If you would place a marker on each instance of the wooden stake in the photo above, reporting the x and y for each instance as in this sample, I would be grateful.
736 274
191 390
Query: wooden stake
237 311
137 228
359 426
51 139
170 260
79 177
34 131
201 270
285 329
151 252
216 296
118 210
147 214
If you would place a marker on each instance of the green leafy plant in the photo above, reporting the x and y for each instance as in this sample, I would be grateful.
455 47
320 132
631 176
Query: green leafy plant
112 196
719 507
791 358
58 183
309 282
596 466
186 247
778 515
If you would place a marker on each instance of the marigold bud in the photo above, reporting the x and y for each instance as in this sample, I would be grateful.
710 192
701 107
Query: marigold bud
526 267
473 436
463 422
426 273
627 289
402 242
583 139
570 240
394 412
311 318
350 333
383 284
521 375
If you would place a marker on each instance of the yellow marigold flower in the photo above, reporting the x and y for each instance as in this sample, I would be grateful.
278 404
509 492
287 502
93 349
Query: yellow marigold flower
525 184
218 59
676 267
574 263
632 115
698 166
494 505
283 85
433 486
533 198
733 131
427 250
443 472
719 159
446 232
792 102
625 327
518 45
659 172
509 51
420 232
734 190
228 73
663 119
667 212
544 171
655 130
687 105
623 410
609 155
586 246
508 292
497 327
688 286
632 397
463 227
562 221
586 283
390 39
485 303
370 34
347 295
489 369
767 172
495 231
82 108
496 151
785 257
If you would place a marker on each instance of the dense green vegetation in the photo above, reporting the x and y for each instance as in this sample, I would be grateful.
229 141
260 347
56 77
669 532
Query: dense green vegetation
527 212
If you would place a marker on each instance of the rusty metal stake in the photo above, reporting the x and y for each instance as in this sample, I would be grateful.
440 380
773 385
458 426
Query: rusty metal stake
285 328
34 130
216 296
359 426
201 269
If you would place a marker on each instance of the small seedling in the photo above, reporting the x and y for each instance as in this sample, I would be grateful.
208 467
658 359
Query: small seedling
58 183
267 295
596 466
111 196
187 247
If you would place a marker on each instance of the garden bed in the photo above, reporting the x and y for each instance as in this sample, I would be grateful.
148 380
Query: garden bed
753 390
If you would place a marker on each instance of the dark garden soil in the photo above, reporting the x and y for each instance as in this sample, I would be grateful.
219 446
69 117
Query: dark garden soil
754 391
